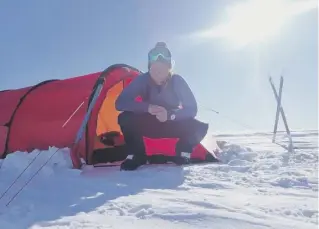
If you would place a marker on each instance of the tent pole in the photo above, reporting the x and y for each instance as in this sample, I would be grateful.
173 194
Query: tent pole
86 118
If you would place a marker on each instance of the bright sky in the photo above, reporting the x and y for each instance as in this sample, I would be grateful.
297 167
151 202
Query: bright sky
224 49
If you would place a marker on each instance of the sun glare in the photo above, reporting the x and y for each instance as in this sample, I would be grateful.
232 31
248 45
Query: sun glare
255 21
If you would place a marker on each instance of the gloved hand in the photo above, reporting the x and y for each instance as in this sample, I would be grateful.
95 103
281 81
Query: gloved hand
183 159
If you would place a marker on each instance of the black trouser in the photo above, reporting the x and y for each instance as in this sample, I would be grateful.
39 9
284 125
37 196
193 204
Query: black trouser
134 126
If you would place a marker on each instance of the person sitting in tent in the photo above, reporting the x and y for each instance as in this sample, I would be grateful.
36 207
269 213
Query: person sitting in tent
167 110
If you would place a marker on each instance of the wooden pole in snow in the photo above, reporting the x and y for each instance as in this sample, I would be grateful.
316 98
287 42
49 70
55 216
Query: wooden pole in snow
281 110
278 108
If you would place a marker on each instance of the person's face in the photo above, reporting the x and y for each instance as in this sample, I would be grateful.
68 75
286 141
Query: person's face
159 72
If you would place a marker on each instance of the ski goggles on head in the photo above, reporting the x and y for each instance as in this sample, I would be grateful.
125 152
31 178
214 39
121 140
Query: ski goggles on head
161 55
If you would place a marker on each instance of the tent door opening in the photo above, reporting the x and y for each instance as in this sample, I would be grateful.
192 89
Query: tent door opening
109 144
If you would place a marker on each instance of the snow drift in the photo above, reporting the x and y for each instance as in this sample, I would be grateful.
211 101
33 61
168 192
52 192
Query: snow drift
259 186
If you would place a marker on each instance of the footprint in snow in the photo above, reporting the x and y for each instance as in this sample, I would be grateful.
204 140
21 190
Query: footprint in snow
141 211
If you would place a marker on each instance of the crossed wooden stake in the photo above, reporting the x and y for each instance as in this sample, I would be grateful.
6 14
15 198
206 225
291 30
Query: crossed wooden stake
280 110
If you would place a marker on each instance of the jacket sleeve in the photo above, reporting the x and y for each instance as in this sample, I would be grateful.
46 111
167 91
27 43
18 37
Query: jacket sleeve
126 100
187 98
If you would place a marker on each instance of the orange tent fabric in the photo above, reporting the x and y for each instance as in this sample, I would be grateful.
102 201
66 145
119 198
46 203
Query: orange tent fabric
52 112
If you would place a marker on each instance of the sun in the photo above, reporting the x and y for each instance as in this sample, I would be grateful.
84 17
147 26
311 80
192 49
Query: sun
256 21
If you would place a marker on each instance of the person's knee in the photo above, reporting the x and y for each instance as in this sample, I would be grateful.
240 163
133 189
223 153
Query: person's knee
194 131
193 125
201 129
125 118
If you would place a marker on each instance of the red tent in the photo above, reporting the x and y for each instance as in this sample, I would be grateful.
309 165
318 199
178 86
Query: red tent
70 113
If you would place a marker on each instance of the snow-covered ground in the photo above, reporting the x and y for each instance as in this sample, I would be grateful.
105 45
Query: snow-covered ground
259 186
